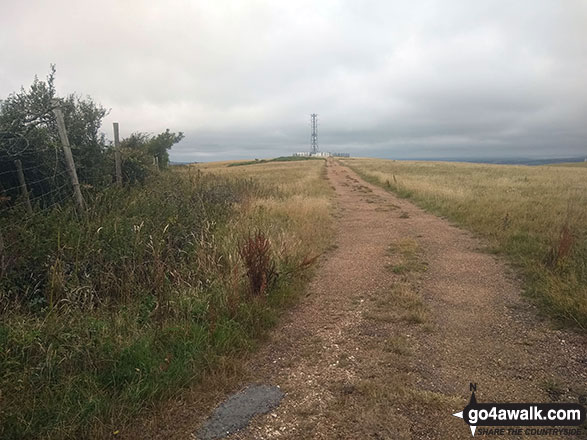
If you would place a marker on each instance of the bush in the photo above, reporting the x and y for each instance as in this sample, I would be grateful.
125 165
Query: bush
115 310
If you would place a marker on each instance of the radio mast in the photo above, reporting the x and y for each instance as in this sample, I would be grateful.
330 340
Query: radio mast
314 137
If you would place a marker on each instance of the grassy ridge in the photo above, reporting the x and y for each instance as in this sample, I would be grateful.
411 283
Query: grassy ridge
535 215
277 159
105 316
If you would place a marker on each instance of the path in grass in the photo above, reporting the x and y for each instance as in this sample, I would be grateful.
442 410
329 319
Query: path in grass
401 317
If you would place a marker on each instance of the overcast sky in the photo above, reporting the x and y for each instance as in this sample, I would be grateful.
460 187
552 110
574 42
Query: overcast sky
403 79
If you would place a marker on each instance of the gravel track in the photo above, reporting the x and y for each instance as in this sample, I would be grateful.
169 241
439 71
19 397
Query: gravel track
333 360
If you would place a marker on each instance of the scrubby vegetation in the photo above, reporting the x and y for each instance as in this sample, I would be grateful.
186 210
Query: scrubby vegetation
105 313
103 317
28 133
537 216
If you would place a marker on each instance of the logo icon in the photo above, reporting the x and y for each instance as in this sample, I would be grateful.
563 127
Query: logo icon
520 414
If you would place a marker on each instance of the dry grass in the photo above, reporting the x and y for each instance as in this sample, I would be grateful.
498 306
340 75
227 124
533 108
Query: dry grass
398 344
535 215
293 178
409 258
402 302
295 210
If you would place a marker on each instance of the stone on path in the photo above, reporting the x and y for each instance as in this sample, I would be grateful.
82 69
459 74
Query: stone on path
237 411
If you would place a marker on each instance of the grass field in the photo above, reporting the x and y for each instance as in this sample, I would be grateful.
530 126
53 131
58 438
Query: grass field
103 317
537 216
277 159
298 198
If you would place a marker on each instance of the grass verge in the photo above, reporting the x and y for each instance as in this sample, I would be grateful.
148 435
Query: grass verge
107 315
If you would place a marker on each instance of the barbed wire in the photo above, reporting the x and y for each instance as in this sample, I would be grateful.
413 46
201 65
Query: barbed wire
13 233
31 183
37 155
8 137
22 203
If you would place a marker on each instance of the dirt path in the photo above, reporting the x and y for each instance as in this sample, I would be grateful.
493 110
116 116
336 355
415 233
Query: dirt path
403 314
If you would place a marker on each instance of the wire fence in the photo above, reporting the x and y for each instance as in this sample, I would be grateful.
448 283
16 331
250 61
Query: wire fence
36 181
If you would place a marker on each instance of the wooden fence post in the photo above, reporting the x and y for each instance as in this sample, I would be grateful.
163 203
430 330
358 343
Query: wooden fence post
23 188
2 255
1 244
117 158
79 199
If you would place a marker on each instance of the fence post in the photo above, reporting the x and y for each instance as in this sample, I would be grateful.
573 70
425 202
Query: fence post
79 199
117 158
2 255
23 188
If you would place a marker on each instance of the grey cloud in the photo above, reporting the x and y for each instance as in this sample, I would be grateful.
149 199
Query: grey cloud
393 79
